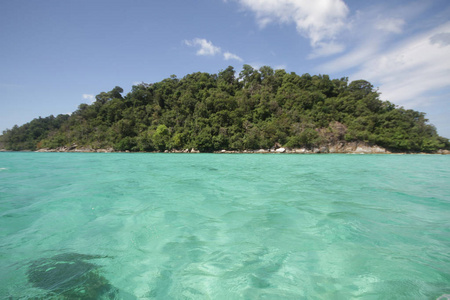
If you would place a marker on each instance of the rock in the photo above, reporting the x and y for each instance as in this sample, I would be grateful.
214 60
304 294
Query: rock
442 151
341 147
280 150
61 149
366 149
360 149
301 150
323 149
70 276
109 150
339 129
377 149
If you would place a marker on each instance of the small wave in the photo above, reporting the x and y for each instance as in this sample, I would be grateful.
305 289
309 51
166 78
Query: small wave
2 169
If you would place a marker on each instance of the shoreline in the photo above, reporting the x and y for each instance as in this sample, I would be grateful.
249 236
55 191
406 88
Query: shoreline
281 150
444 152
337 147
439 152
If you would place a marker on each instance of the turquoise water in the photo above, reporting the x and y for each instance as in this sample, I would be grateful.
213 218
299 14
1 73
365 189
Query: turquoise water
224 226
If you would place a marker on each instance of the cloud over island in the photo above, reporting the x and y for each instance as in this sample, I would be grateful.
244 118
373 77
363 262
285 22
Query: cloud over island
206 48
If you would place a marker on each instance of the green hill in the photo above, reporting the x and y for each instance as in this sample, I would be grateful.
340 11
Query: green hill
209 112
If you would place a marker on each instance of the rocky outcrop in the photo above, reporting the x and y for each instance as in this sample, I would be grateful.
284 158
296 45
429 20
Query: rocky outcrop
341 147
356 147
75 148
442 151
353 147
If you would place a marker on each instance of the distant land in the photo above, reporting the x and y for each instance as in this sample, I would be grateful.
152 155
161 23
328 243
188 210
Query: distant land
258 110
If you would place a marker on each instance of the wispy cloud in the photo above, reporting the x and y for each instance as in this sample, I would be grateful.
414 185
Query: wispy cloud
407 71
280 67
228 56
407 60
89 97
319 21
394 25
371 31
442 39
411 69
326 49
205 47
389 44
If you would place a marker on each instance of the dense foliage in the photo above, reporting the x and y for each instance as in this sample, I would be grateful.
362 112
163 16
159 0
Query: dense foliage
27 137
258 109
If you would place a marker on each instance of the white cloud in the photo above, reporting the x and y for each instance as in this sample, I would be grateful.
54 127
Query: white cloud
352 59
394 25
410 71
280 67
318 20
410 67
442 39
205 47
326 49
228 56
371 31
89 97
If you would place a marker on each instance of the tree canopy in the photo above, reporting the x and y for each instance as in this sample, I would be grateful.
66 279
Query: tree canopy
256 109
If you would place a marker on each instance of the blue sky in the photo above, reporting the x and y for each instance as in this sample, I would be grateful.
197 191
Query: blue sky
57 54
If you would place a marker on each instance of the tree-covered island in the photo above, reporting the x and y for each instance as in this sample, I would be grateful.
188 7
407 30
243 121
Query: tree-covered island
258 109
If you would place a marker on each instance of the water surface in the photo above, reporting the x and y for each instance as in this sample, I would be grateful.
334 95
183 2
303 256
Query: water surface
225 226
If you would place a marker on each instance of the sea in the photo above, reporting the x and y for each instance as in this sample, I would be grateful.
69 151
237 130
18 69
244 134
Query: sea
224 226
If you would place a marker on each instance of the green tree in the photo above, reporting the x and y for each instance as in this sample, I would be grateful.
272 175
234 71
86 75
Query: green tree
217 111
161 137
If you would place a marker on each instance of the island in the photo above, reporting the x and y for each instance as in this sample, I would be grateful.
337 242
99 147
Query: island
258 110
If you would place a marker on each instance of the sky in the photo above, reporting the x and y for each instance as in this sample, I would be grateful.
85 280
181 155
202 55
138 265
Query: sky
57 54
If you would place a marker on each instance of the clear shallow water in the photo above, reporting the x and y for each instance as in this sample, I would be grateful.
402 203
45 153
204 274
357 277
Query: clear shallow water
213 226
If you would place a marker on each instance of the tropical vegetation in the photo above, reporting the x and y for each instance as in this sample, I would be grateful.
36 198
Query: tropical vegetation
258 108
